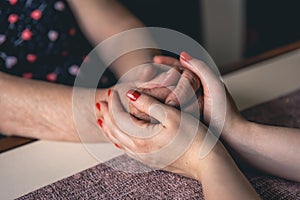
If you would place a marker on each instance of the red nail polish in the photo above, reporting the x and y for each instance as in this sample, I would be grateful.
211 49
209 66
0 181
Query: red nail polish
100 123
98 106
133 95
118 146
108 92
185 56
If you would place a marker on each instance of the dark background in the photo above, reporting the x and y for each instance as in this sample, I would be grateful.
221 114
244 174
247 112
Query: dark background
182 16
269 24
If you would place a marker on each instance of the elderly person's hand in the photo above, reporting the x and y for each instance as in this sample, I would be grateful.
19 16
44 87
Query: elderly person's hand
170 84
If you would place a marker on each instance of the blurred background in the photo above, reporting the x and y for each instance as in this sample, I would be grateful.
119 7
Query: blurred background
230 30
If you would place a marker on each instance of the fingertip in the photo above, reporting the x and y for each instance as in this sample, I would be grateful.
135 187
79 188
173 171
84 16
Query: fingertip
133 95
117 145
98 106
108 92
191 64
103 106
111 97
185 63
171 100
185 56
171 103
158 59
100 122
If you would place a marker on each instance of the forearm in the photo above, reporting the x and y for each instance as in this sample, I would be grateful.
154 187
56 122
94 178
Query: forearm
37 109
100 19
274 150
220 177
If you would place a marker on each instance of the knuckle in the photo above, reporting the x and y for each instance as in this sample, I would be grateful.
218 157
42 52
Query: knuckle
148 102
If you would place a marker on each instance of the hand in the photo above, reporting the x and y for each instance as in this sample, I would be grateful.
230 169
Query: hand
162 87
218 103
181 94
219 110
213 88
172 144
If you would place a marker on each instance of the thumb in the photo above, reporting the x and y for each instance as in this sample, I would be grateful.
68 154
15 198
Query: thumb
210 81
214 99
213 89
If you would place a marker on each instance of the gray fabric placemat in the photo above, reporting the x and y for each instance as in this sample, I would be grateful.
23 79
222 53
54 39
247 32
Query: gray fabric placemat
105 182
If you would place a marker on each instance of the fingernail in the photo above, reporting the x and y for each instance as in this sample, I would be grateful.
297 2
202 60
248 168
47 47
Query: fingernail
108 92
98 106
133 95
118 146
100 123
185 56
171 103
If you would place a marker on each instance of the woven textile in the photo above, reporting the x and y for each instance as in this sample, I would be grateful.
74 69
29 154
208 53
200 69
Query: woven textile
103 182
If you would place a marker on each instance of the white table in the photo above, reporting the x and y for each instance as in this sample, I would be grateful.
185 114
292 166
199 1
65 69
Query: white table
40 163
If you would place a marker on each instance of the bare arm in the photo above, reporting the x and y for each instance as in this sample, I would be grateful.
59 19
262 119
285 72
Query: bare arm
39 109
274 150
220 177
44 110
100 19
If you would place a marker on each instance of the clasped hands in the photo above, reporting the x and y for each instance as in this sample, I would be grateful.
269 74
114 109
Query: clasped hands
157 122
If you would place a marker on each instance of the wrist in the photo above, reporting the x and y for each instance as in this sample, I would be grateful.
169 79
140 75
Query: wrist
238 134
197 166
234 126
206 164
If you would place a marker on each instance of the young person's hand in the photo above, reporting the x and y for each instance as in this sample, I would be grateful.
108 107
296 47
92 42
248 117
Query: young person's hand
173 144
268 148
215 98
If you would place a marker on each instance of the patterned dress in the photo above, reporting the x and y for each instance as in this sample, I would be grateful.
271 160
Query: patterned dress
41 40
